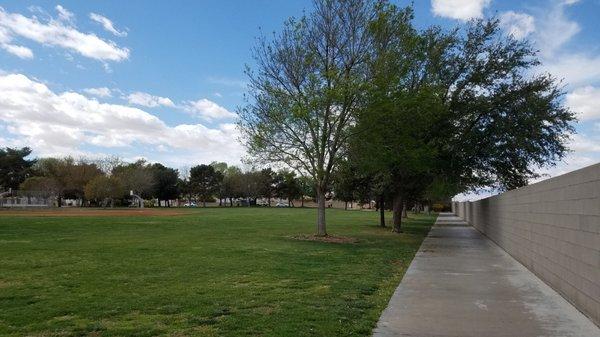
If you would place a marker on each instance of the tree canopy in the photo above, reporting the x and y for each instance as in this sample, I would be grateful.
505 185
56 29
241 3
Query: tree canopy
14 166
306 90
419 111
205 181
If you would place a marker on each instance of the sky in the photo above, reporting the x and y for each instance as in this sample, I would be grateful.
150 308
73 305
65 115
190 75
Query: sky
161 80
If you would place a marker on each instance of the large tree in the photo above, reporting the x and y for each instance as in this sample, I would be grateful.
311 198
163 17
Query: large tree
137 177
231 187
344 184
57 170
223 191
14 167
105 189
306 89
79 173
267 184
458 108
287 186
166 185
40 186
205 181
69 176
503 121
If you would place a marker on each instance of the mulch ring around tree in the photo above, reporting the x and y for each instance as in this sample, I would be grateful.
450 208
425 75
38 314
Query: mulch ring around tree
327 238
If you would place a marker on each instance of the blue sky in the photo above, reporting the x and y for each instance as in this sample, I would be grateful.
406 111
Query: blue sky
162 80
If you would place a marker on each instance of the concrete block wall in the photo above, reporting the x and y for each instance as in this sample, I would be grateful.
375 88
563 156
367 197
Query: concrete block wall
551 227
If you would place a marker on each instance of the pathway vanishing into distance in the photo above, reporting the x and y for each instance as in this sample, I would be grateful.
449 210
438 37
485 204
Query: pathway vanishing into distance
462 284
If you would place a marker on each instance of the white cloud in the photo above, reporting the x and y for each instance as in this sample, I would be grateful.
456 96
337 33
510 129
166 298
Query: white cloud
5 43
99 92
571 162
61 34
229 82
575 69
555 28
579 70
4 35
208 110
64 14
107 24
519 25
20 51
585 101
62 123
459 9
582 143
149 101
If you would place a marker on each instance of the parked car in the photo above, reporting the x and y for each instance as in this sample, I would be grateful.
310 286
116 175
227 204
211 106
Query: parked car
190 204
282 204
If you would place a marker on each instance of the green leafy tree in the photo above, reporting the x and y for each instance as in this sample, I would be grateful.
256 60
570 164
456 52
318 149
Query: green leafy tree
503 120
137 177
252 186
287 186
166 182
45 186
223 168
266 184
231 187
14 167
305 91
345 183
55 169
205 181
104 189
307 188
460 106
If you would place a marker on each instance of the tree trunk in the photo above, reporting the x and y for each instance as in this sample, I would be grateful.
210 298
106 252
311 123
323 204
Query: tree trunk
269 201
404 212
398 205
321 231
381 211
302 202
345 205
204 202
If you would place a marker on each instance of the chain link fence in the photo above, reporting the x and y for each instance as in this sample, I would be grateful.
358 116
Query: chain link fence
18 198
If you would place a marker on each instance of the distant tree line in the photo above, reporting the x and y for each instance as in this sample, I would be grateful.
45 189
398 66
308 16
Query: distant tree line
109 181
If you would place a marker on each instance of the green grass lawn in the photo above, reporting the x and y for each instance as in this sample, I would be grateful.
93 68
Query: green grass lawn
212 272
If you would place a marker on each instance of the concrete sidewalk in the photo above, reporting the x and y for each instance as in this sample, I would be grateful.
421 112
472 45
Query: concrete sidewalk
462 284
